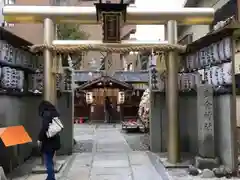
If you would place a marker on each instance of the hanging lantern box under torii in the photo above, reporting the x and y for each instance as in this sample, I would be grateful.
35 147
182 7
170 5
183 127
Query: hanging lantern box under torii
113 15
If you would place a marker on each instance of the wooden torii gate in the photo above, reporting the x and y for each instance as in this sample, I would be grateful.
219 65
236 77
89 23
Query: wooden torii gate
48 15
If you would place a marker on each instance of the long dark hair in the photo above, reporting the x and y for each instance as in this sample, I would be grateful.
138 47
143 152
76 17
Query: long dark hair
47 109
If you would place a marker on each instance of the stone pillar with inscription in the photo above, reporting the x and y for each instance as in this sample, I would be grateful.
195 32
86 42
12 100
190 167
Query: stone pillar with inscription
205 120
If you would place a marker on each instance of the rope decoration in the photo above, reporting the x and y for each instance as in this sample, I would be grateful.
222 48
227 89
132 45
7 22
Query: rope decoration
102 48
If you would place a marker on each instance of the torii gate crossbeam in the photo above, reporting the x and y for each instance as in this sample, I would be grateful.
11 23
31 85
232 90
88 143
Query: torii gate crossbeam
87 15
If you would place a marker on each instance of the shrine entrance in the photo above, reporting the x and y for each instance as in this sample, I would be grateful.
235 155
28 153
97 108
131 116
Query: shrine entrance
112 17
99 89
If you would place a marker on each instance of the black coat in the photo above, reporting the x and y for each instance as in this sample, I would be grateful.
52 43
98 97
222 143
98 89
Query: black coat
48 111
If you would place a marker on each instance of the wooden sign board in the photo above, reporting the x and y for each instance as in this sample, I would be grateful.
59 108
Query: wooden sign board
111 27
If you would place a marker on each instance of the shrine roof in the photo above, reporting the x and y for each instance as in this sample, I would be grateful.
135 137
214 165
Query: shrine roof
84 76
132 76
105 82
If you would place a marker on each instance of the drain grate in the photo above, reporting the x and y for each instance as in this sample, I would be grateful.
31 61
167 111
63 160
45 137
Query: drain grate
83 146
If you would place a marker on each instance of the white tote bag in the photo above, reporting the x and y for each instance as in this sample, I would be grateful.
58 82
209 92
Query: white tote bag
55 127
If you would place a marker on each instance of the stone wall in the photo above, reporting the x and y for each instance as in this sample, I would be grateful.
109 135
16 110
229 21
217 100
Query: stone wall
24 111
189 127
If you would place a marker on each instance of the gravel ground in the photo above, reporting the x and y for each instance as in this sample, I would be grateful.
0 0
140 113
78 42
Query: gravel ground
181 174
83 146
137 141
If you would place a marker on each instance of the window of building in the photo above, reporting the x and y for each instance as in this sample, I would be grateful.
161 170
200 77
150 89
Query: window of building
9 2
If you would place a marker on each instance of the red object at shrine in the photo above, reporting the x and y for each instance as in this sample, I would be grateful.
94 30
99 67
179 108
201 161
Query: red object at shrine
81 120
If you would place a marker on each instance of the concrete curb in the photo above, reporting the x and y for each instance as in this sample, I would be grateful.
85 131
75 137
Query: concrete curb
2 174
159 167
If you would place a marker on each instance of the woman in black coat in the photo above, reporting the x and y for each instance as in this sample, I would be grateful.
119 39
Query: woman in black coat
49 146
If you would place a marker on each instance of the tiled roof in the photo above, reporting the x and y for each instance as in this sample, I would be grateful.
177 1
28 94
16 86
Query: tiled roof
105 81
124 76
83 76
132 76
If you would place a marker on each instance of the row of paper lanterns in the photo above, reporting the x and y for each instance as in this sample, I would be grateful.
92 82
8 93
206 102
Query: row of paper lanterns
12 78
35 82
216 53
220 75
12 55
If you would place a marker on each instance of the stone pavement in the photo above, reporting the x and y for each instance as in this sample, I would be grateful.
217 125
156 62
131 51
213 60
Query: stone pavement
111 157
102 153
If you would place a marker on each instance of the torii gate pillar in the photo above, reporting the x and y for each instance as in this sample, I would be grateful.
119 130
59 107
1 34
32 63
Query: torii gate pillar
172 96
49 75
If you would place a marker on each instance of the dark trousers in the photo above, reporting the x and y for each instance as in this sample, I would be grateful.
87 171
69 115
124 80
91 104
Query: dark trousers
48 157
108 116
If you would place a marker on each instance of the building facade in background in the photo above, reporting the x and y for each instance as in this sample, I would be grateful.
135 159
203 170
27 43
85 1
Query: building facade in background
224 9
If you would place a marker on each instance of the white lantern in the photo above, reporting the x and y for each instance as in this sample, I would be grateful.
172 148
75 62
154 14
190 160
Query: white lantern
89 97
216 56
220 75
221 51
227 73
121 97
215 78
227 47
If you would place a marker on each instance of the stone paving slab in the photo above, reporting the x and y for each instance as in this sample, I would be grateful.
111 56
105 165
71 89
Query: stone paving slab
111 156
104 160
83 137
111 163
110 177
41 169
138 158
145 172
111 173
84 159
78 173
37 177
108 140
102 170
112 149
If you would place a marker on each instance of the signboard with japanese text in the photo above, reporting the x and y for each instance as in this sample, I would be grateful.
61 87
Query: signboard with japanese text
111 27
205 121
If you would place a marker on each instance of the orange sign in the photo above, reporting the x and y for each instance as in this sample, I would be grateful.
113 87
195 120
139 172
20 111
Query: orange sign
14 135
